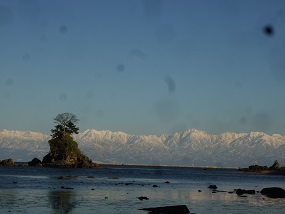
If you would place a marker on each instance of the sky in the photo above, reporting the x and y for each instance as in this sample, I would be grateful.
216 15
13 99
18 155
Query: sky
143 66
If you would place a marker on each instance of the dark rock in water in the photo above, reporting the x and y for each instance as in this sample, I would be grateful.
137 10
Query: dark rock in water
243 191
273 192
155 185
240 192
8 162
35 162
143 198
212 187
181 209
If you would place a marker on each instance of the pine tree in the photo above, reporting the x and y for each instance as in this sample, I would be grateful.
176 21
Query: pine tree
65 124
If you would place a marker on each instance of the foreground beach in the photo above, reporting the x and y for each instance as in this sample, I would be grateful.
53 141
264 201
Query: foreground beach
126 189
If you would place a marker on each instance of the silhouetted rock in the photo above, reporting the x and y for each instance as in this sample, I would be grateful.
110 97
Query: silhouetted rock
143 198
243 191
35 162
8 162
273 192
181 209
212 187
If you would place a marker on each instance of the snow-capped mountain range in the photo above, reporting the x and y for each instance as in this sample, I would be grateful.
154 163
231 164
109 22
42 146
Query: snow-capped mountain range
188 148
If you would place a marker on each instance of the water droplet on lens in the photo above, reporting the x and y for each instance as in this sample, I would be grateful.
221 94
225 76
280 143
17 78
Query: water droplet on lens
268 30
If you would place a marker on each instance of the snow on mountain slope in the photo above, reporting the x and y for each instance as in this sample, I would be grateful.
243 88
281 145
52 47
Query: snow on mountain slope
190 147
23 145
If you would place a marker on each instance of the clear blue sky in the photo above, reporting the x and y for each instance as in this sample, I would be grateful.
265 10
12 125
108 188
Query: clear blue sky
143 66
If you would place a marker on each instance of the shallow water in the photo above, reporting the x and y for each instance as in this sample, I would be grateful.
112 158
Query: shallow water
38 190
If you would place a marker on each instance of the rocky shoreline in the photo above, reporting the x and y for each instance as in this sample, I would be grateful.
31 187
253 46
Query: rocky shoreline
275 169
38 163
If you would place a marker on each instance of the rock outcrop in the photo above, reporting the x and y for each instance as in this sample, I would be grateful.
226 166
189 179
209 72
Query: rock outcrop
212 187
64 152
35 162
274 169
273 192
7 162
243 191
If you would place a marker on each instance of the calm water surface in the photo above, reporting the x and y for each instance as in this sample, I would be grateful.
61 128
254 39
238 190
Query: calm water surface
38 190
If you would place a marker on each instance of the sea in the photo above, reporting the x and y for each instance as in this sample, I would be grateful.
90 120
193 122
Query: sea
127 189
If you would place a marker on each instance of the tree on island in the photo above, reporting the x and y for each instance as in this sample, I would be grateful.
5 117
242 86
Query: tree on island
65 124
64 151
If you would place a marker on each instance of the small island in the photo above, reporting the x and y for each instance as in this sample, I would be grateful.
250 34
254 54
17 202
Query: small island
275 169
64 151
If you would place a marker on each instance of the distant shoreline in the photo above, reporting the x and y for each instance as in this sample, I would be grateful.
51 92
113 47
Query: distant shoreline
165 165
150 165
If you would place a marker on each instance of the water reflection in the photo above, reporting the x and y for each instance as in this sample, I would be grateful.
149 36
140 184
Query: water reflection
62 201
110 198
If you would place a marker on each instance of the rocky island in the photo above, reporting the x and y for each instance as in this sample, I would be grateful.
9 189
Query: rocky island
7 162
64 151
274 169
